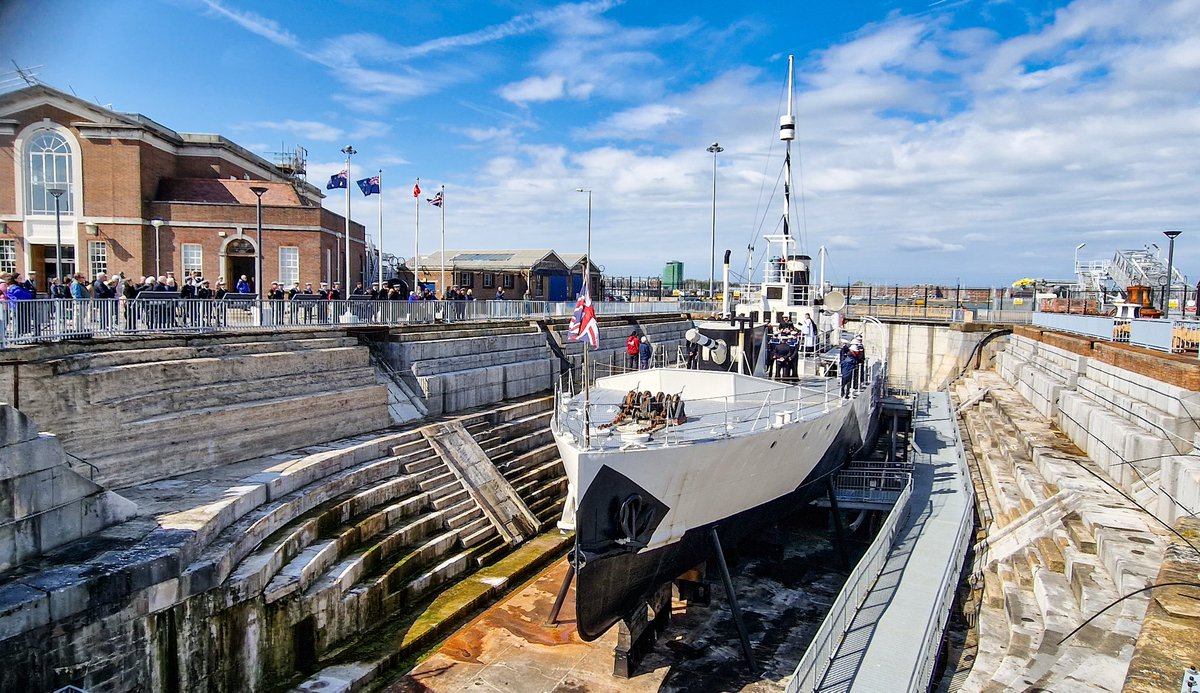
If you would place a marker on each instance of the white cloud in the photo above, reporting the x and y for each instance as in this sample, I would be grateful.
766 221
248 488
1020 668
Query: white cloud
922 243
637 122
548 88
305 130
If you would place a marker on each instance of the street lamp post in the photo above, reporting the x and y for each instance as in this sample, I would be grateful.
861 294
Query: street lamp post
258 191
714 149
157 224
1170 266
57 193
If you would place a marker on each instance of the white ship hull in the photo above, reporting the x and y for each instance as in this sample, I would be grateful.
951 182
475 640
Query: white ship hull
751 449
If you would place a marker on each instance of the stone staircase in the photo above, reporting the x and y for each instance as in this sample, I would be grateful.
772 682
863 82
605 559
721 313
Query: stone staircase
264 577
1121 405
207 402
1060 544
523 449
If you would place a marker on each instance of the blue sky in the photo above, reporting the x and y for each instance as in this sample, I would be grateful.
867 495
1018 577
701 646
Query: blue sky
938 141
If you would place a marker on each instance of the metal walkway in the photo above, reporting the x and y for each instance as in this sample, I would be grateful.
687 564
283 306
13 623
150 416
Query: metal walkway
890 642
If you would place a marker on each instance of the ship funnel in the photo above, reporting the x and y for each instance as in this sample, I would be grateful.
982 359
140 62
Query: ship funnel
718 347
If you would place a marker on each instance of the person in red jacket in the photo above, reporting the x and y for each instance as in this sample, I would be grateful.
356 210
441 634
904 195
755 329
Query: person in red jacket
632 345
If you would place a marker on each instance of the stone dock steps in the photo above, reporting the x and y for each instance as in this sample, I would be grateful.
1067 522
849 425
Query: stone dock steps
1060 545
209 402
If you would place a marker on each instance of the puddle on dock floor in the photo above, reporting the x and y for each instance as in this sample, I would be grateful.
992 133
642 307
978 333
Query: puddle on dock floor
508 647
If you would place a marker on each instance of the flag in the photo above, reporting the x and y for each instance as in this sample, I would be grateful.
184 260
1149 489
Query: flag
436 200
417 188
337 180
583 321
369 186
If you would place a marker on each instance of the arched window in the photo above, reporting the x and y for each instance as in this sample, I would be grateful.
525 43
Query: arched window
239 246
49 169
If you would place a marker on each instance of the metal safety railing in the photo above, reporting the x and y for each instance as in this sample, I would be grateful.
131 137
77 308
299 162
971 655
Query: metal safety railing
43 320
825 642
1174 335
948 582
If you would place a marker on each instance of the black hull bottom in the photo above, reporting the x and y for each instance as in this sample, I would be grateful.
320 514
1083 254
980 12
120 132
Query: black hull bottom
610 585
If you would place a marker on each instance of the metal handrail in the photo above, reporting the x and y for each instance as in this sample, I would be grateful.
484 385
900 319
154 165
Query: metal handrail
817 658
43 320
953 569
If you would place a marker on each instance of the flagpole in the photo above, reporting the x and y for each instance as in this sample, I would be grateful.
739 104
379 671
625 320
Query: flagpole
417 233
380 229
348 150
443 207
587 385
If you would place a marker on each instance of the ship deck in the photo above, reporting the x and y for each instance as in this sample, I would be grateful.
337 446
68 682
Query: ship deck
744 406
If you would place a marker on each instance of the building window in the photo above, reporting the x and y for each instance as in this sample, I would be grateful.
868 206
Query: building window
539 285
489 280
8 256
289 265
98 257
193 259
464 279
508 281
49 168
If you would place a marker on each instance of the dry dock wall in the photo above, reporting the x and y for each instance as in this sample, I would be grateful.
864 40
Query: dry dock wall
1133 411
926 355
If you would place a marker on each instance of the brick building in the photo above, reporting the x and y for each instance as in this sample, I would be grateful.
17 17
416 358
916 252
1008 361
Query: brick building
120 173
542 274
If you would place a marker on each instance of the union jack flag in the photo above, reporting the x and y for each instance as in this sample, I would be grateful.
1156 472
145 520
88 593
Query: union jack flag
583 321
436 200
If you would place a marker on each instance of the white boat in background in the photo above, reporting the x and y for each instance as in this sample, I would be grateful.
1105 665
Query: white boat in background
657 459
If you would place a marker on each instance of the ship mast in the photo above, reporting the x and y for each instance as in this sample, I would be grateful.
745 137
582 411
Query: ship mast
787 133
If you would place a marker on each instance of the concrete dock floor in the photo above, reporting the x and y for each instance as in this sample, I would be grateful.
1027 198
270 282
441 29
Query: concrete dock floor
509 647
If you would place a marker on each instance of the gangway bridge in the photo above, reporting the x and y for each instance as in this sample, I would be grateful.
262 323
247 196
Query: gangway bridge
884 630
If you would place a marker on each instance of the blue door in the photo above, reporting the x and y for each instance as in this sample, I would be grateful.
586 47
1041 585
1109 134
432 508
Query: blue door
558 288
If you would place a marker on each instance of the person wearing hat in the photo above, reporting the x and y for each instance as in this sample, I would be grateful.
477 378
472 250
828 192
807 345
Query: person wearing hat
847 365
645 351
860 357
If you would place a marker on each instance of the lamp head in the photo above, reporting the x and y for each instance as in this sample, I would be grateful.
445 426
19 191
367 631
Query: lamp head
715 148
1172 234
156 223
258 190
1080 246
56 192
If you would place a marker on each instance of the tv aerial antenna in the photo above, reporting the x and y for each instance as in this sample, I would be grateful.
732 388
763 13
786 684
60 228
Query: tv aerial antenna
20 77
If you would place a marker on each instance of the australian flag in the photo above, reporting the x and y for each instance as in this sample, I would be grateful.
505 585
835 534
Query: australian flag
583 321
369 186
337 180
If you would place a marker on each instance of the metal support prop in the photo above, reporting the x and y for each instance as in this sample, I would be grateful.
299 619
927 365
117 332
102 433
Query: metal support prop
552 619
837 524
733 604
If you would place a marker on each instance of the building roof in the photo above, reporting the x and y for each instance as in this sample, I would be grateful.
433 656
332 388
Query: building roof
109 120
495 260
228 191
